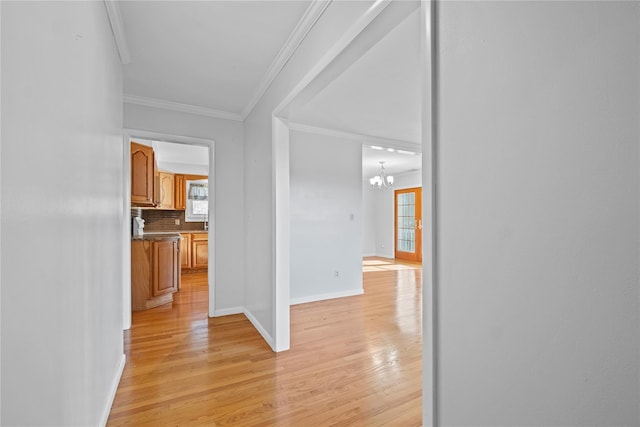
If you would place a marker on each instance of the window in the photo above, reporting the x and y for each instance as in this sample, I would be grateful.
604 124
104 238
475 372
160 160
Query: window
197 201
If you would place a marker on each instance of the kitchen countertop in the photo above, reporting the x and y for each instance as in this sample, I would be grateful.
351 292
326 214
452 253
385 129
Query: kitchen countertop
165 235
158 235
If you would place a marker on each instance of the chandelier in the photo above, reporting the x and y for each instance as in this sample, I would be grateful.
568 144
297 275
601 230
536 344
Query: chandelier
382 180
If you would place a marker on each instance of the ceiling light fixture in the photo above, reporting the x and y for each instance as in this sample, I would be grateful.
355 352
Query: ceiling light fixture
382 180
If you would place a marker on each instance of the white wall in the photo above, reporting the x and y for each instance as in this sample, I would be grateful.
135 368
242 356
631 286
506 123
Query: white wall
369 196
258 188
62 346
538 209
326 217
228 167
378 212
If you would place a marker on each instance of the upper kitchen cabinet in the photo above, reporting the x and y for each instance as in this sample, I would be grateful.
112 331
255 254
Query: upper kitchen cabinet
142 175
180 185
166 196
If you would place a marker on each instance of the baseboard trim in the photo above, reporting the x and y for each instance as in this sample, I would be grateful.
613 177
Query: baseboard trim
322 297
260 328
228 311
113 390
369 254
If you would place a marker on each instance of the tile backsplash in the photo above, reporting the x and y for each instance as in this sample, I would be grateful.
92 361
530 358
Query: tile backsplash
165 220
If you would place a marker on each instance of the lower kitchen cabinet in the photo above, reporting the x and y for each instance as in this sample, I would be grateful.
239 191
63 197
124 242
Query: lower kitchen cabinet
185 250
165 267
155 272
199 250
194 251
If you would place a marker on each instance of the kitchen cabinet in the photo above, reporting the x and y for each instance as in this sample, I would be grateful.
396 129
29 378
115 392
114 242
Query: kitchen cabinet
199 250
166 192
142 175
194 252
166 268
180 191
185 250
155 271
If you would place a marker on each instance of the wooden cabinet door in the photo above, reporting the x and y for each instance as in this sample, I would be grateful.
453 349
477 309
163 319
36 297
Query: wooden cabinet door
142 175
140 274
199 250
165 267
166 190
185 250
180 192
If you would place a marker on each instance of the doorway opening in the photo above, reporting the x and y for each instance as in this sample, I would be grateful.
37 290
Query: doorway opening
407 222
168 216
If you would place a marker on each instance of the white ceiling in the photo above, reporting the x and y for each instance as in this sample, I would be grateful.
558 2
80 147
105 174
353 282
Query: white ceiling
215 55
395 162
209 54
379 95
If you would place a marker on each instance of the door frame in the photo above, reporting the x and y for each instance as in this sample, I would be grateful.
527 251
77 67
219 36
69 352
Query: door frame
128 136
418 228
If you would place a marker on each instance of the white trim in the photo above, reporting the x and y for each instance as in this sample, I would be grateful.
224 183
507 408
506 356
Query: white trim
280 230
368 254
428 34
112 391
176 106
167 137
228 311
211 228
261 330
322 297
306 23
0 218
364 139
126 231
117 28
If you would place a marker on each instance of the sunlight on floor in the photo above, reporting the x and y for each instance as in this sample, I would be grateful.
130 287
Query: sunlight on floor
377 264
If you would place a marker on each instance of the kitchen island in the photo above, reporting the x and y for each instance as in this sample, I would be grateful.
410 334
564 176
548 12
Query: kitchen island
155 269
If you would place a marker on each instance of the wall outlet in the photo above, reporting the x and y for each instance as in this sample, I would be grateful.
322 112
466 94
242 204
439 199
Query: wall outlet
177 222
337 274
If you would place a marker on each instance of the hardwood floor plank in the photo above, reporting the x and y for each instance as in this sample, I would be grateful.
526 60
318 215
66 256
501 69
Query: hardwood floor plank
353 361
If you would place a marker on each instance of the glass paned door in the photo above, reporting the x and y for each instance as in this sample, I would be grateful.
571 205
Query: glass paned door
408 224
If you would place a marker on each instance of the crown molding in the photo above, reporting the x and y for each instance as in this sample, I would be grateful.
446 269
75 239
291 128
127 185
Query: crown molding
357 137
117 28
306 23
183 108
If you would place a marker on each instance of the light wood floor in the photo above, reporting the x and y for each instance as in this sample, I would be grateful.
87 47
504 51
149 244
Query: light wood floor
353 361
